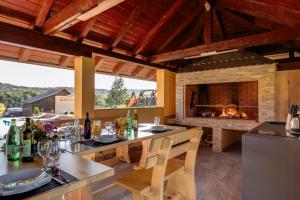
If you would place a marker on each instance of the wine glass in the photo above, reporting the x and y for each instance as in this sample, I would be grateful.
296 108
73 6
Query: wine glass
108 127
43 151
54 153
156 120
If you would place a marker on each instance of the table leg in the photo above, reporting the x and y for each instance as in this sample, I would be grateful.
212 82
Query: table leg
145 154
84 193
122 152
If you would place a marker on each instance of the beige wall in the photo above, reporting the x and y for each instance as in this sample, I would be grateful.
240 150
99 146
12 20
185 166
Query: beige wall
145 114
64 104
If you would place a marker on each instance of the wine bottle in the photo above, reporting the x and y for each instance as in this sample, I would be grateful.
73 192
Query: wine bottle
135 121
87 127
27 141
129 122
13 142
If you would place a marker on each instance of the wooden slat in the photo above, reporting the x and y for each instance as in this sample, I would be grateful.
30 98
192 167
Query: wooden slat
21 37
63 62
99 62
270 11
180 149
24 55
133 17
41 17
155 29
219 25
86 28
119 66
208 27
151 75
77 11
236 43
137 71
196 32
151 161
179 29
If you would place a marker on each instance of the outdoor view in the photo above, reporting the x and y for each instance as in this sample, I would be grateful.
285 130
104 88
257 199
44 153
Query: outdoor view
45 92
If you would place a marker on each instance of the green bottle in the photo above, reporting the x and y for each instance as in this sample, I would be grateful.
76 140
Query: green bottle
13 142
129 122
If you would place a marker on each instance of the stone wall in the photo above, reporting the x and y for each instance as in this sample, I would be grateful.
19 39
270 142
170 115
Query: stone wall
264 74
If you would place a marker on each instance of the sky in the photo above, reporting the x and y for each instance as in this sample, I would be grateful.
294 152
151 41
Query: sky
29 75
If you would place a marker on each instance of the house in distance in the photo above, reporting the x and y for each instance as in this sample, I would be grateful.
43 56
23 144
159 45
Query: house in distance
45 102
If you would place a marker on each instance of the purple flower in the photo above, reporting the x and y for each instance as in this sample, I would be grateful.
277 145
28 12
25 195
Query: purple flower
48 127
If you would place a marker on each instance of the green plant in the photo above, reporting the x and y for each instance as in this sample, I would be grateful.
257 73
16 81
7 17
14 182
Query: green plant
36 110
118 93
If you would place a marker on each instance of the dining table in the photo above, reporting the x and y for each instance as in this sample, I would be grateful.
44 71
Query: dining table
81 171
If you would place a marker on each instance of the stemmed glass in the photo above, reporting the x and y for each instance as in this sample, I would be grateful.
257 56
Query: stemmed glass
108 126
43 151
156 120
54 153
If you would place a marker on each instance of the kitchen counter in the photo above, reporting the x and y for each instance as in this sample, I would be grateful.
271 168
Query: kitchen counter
270 163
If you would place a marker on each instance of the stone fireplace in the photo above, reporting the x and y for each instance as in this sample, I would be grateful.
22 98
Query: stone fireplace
247 92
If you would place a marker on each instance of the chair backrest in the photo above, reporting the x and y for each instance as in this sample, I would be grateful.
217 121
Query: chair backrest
159 149
187 142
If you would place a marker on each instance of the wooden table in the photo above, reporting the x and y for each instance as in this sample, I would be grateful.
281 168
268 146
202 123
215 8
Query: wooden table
84 170
143 135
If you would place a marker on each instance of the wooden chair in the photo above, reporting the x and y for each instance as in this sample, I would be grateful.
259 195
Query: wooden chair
148 183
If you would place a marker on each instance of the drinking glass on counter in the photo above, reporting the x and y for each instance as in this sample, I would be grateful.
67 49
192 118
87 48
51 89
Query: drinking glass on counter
156 120
54 153
43 148
108 127
96 130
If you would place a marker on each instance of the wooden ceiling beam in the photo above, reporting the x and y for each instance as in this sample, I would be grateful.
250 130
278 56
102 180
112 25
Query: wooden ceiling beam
157 27
238 19
196 32
271 37
150 76
274 12
179 29
24 54
133 17
63 61
137 71
86 29
98 62
25 38
219 24
77 11
44 10
207 36
118 67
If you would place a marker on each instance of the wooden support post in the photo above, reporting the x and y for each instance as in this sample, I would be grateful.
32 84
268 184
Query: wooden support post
84 86
166 91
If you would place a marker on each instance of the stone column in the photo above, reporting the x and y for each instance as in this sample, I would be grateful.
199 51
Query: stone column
84 90
217 139
166 91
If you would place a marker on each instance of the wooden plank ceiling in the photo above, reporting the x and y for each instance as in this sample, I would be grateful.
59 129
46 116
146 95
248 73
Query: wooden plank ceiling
134 37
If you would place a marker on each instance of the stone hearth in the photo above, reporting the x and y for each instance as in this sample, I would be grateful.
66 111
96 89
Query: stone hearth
263 74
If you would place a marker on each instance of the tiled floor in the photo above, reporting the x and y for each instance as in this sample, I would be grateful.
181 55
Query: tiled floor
218 176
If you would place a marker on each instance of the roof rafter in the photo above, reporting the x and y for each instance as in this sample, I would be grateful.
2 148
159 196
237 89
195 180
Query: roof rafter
118 67
133 17
219 24
63 61
77 11
179 29
196 32
22 37
151 75
86 28
137 71
157 27
207 36
44 10
271 37
274 12
24 54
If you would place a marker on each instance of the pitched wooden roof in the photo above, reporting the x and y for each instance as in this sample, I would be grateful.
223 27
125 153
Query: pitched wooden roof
133 37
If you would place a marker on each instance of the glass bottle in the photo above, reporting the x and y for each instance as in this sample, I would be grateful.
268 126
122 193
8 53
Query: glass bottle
129 122
13 142
135 121
27 141
87 127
